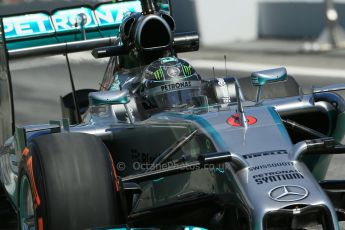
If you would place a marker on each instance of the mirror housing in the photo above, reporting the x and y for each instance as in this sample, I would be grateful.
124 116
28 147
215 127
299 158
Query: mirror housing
264 77
109 98
269 76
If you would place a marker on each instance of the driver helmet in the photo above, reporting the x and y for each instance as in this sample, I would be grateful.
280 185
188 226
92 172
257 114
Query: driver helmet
170 82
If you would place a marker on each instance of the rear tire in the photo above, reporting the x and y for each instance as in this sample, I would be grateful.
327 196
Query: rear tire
67 181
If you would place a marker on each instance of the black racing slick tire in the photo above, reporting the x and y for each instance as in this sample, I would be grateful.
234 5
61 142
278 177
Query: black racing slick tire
67 181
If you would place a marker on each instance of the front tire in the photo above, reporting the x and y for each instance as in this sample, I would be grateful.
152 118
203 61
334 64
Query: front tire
67 181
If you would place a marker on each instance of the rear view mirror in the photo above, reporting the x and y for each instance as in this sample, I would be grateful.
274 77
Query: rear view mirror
109 98
112 98
264 77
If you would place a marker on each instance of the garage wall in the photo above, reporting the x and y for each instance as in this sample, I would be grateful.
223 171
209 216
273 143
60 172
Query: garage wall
224 21
221 21
290 19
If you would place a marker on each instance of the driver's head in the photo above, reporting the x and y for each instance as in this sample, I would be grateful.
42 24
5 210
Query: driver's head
170 82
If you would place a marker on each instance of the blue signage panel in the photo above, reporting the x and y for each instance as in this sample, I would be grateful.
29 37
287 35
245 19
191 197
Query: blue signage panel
67 20
36 25
43 29
29 25
113 14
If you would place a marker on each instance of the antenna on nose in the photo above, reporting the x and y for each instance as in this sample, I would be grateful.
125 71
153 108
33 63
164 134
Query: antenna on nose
241 115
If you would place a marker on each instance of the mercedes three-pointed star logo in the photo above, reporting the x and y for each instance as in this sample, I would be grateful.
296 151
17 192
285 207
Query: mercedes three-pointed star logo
288 193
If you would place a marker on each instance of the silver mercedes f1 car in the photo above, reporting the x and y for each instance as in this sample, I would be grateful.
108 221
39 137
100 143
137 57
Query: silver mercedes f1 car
158 146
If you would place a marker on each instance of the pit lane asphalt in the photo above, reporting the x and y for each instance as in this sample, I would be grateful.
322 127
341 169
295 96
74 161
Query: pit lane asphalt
39 82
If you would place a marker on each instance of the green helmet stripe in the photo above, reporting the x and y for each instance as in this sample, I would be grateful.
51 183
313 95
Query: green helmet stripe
158 75
162 73
185 71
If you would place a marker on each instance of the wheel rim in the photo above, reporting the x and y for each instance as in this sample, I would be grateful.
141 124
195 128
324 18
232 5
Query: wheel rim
26 206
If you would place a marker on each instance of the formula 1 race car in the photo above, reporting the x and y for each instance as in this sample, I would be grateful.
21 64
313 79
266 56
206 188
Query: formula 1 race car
159 146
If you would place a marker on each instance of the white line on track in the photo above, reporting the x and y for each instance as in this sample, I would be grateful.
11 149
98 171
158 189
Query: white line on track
251 67
85 57
44 61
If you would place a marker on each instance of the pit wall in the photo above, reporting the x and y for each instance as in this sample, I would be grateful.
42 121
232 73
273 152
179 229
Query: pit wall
224 21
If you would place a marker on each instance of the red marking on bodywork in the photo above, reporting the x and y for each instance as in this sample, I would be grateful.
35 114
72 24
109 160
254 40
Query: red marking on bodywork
40 223
26 151
235 120
37 200
115 174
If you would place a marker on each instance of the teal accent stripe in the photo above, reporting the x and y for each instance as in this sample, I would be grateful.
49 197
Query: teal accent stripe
212 132
158 180
279 123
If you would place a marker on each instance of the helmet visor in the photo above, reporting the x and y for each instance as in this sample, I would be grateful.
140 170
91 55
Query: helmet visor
175 99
